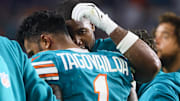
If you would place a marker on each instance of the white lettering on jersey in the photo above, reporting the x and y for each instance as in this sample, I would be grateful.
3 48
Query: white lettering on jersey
121 65
72 61
64 61
87 62
107 64
93 60
80 62
98 62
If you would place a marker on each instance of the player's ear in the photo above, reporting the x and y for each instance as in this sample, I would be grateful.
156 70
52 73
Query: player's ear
45 41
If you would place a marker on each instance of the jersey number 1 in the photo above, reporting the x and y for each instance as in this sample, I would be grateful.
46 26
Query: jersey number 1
101 87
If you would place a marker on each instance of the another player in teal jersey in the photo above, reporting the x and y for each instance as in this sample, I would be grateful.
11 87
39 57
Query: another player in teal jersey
18 79
166 85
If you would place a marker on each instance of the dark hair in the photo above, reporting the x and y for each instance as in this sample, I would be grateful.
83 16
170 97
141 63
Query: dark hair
65 7
171 18
145 36
41 22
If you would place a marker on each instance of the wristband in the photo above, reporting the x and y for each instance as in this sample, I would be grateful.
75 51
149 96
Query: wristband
127 42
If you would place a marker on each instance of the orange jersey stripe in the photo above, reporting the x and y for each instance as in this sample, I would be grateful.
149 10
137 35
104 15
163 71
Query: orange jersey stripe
48 75
45 65
34 58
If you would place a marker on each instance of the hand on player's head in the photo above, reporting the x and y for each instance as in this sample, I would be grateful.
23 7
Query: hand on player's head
87 10
95 15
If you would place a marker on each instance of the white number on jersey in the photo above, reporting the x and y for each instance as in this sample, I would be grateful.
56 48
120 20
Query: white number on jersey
101 87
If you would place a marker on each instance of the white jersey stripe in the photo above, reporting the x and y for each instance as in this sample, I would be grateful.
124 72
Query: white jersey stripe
47 70
51 78
42 63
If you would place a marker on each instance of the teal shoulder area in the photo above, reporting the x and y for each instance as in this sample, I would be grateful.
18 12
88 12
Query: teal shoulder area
104 44
43 56
4 40
168 79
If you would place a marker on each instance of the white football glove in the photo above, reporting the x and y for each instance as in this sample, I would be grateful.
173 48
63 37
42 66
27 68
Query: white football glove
95 15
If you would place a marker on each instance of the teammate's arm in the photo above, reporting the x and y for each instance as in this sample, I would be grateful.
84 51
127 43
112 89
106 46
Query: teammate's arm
143 59
36 88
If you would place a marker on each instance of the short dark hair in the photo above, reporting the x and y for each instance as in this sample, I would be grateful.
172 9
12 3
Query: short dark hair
41 22
173 19
65 7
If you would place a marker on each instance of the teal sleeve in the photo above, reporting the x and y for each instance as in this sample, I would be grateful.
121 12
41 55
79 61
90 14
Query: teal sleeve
36 88
53 59
159 92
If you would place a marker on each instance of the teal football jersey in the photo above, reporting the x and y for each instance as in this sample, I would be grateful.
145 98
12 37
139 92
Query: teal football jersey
164 87
85 76
18 79
104 44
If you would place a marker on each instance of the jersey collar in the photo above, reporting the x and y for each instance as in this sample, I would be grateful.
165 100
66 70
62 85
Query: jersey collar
78 50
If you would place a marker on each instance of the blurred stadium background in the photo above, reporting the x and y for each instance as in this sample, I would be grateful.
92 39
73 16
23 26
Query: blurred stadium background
131 14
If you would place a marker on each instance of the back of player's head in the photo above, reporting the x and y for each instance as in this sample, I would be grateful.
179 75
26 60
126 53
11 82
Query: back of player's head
41 22
173 19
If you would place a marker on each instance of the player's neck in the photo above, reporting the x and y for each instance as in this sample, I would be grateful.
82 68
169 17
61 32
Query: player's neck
62 43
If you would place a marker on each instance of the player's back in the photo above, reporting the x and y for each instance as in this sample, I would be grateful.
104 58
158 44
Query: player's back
84 76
